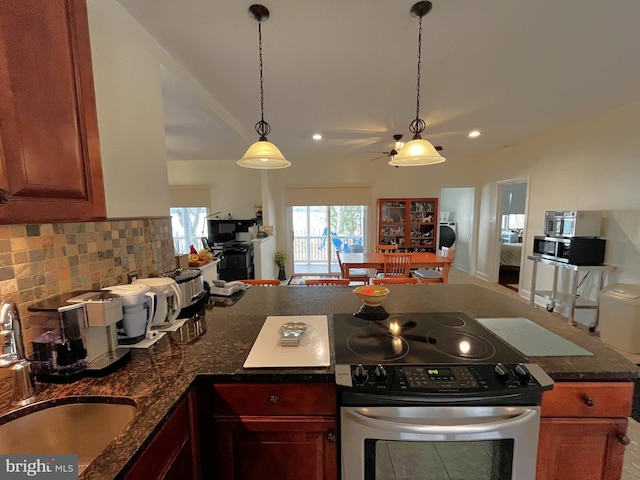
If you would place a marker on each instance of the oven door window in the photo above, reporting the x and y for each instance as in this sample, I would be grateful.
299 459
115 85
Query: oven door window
481 460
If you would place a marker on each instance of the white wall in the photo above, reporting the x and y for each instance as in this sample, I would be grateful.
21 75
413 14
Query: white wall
126 70
590 165
234 189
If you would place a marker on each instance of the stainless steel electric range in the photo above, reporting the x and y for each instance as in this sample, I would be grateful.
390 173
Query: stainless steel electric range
434 395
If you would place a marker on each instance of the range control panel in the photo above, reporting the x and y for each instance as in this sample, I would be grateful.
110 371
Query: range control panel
441 379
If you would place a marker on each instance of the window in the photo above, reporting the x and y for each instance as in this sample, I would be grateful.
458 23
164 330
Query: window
188 225
318 231
514 221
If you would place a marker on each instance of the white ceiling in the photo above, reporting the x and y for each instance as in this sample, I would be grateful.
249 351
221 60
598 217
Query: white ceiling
347 69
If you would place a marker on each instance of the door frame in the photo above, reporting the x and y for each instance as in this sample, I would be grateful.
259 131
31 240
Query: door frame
496 235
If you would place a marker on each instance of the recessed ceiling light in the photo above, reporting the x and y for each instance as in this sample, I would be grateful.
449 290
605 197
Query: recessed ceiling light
317 136
474 134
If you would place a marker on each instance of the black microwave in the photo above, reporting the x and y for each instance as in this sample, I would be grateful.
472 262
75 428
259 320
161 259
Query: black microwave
574 250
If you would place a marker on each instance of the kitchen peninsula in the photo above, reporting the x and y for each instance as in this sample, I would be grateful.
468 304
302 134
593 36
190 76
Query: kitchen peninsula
160 378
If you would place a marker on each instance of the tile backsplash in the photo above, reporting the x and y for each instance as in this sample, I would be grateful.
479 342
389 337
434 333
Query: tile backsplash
41 260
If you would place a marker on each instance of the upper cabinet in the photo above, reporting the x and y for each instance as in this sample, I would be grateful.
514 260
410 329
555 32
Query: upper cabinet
409 223
50 166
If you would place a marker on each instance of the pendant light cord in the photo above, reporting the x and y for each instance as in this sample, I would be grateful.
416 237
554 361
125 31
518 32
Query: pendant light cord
418 125
262 127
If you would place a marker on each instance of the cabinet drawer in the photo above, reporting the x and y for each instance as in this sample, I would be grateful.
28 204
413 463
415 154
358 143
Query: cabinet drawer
275 399
588 399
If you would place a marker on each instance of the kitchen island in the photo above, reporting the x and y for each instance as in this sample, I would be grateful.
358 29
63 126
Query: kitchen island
159 378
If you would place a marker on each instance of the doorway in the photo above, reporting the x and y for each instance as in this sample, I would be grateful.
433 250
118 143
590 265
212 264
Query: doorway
512 212
457 206
318 231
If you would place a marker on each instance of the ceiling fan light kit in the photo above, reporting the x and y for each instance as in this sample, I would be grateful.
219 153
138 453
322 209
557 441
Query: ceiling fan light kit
262 154
418 152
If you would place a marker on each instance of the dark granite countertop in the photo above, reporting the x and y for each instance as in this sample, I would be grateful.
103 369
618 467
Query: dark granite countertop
157 378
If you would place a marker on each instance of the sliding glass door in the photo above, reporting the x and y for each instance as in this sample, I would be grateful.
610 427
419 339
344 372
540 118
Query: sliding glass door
318 231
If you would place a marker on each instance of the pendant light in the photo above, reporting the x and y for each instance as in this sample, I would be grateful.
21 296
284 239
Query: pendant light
418 151
262 154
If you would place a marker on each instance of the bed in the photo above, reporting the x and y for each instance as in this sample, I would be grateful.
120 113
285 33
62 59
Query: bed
510 254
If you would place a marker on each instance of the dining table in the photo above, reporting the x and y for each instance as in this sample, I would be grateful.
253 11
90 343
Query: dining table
376 260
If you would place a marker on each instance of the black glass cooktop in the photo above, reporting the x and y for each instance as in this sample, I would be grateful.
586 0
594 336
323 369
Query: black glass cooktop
426 338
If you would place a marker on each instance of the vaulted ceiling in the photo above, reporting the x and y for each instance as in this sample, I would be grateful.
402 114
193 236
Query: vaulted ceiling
347 69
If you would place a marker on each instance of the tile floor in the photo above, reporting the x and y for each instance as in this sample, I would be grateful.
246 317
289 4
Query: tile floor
631 465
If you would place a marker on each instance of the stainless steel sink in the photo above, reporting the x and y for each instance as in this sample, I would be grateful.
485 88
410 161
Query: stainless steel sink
84 426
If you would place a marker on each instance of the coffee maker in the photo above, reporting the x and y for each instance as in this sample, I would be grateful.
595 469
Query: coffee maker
83 341
103 312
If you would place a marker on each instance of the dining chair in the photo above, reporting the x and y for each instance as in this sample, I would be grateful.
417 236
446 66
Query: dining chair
396 265
327 281
434 275
386 248
395 281
263 283
353 274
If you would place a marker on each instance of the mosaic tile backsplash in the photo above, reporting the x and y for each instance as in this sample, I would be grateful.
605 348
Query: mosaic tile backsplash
41 260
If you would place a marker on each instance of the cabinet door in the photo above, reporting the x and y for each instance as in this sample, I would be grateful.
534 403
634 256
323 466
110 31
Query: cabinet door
49 148
276 448
423 215
173 453
585 449
392 222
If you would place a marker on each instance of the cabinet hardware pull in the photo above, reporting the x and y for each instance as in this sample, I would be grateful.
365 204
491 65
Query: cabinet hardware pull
623 439
274 399
4 196
332 437
588 401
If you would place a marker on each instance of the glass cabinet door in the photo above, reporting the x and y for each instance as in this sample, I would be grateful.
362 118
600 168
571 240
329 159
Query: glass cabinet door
392 222
423 219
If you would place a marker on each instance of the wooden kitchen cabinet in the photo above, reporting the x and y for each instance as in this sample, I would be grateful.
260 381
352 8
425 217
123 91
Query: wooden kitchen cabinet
50 165
583 430
174 453
410 223
275 432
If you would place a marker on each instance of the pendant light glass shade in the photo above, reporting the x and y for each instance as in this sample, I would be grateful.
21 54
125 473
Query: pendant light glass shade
263 154
415 153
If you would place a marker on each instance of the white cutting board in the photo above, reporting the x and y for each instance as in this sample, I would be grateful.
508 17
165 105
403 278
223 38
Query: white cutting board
312 351
531 339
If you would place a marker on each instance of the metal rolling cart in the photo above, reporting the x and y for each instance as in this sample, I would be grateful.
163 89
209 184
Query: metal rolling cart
570 298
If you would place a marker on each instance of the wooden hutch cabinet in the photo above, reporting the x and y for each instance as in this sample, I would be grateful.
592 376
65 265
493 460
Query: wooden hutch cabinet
410 223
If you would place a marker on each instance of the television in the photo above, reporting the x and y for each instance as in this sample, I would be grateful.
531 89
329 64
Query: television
221 231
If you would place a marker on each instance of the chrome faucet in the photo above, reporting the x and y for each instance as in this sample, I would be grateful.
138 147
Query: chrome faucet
12 355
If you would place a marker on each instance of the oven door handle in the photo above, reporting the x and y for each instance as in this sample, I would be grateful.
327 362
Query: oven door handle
463 425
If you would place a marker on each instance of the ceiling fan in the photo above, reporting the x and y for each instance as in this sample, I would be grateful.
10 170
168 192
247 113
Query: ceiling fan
397 146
